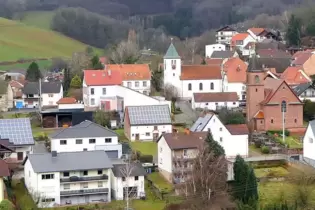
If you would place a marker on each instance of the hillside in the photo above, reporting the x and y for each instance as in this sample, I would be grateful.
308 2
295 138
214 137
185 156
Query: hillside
20 41
40 19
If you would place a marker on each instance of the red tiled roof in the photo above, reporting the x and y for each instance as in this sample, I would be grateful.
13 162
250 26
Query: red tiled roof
201 72
214 61
256 31
301 58
102 77
216 97
185 141
4 169
67 100
16 84
259 115
273 53
239 37
131 71
240 129
293 76
235 70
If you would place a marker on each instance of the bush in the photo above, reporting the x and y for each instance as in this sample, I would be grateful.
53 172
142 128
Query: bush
265 150
6 205
146 159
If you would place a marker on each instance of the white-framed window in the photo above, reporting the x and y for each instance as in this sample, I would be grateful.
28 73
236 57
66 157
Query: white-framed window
104 91
92 91
221 139
78 141
92 141
220 129
50 95
48 200
66 186
161 149
129 84
144 83
63 142
108 140
66 174
92 101
136 84
185 152
48 176
147 134
310 140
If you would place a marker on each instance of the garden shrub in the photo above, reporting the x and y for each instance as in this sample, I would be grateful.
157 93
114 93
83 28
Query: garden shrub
265 150
258 144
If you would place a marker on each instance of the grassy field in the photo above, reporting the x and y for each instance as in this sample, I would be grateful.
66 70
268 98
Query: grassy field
292 142
160 182
18 41
43 64
274 172
40 19
146 148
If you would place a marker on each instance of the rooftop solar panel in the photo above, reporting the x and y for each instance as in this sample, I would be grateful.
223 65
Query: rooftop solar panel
149 115
18 131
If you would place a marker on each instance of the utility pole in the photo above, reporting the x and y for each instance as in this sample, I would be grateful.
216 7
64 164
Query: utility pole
283 110
40 100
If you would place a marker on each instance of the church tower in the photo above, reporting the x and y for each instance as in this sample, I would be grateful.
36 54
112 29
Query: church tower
254 91
172 68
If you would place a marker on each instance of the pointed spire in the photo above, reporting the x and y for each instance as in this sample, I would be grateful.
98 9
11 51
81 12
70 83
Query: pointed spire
254 64
171 52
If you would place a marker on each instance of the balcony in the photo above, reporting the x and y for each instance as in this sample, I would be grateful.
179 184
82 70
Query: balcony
183 158
84 192
84 179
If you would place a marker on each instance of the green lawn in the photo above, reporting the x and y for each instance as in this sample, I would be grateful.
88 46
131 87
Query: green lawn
42 131
271 172
43 64
22 196
146 148
160 182
292 142
40 19
18 41
121 135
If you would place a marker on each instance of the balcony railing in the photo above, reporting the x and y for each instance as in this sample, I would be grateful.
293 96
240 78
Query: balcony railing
83 192
82 179
182 158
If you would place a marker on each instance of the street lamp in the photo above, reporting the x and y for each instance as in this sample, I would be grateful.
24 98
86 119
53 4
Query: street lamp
283 110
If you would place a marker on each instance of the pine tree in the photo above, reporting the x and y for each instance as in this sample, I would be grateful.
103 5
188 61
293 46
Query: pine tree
96 64
293 35
66 81
33 73
76 82
215 147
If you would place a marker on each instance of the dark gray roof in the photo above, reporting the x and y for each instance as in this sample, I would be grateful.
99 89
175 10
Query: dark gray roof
18 131
222 54
47 87
70 161
254 64
201 123
149 115
301 88
134 169
83 130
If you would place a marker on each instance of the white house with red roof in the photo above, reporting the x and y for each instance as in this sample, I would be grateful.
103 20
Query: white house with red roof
225 34
239 41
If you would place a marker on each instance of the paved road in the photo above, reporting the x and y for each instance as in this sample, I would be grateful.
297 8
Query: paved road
265 158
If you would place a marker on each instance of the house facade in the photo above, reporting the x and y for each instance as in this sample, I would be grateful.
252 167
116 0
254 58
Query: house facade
214 47
70 178
239 41
86 136
309 144
225 34
147 123
215 101
4 172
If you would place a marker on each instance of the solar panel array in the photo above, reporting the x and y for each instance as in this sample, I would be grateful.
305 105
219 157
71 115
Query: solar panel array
18 131
149 115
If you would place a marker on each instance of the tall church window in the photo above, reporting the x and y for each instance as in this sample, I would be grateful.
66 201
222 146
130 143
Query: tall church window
283 106
211 86
189 86
256 79
200 86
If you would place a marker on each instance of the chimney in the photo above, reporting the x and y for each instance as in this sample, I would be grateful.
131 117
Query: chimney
54 153
187 131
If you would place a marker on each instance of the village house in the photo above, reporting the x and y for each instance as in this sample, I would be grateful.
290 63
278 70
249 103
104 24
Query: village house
260 34
69 103
147 122
86 136
239 41
215 101
6 96
16 134
309 144
102 89
128 180
188 79
233 138
294 76
305 91
305 60
267 97
214 47
225 34
68 178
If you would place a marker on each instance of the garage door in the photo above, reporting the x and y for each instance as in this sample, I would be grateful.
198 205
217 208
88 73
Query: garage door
112 154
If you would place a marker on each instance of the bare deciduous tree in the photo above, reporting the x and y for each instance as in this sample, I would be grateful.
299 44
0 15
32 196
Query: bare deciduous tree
171 92
127 52
79 62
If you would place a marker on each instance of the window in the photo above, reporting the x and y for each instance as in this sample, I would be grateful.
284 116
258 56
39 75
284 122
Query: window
256 79
310 140
271 120
185 152
129 84
92 141
144 83
20 156
216 104
85 185
200 86
189 86
221 139
136 178
207 104
85 173
66 174
161 149
48 176
220 129
100 184
31 95
256 90
92 101
84 149
155 127
137 84
161 161
283 106
173 74
66 186
47 200
261 122
234 103
295 120
63 142
123 179
173 64
104 91
92 91
99 172
147 134
108 140
211 86
78 141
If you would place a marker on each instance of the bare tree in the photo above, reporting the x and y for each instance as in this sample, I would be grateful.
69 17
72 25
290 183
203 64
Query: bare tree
127 52
79 62
171 92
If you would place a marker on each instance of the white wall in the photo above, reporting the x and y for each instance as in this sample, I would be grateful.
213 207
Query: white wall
164 156
70 106
217 87
308 94
142 130
225 36
52 101
172 76
129 182
214 47
239 88
214 105
309 144
71 145
26 150
140 88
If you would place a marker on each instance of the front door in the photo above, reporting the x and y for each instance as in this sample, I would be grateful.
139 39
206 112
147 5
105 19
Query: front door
137 136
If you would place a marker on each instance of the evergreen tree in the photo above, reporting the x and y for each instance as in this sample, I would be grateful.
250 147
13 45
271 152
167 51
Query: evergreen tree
33 73
293 35
76 82
66 81
215 147
251 191
96 64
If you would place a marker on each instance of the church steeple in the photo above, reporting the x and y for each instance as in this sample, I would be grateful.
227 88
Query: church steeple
254 65
171 52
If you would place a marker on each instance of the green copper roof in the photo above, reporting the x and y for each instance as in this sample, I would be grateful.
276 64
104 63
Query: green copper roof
171 52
